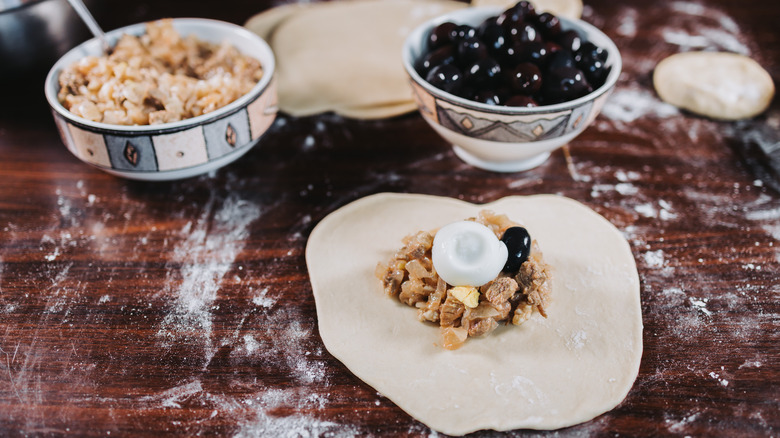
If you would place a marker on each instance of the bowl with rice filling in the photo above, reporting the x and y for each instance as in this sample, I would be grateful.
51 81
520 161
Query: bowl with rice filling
173 99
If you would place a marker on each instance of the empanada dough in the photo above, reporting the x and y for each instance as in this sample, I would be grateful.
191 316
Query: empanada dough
546 374
720 85
345 56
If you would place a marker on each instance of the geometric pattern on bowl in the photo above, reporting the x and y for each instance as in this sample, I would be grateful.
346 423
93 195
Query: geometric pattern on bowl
475 125
171 149
500 126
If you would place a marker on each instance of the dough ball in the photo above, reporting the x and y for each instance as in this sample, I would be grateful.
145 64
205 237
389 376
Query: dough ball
723 86
564 8
345 56
548 373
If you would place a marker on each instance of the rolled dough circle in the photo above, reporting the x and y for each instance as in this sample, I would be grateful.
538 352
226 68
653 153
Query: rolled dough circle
344 56
720 85
548 373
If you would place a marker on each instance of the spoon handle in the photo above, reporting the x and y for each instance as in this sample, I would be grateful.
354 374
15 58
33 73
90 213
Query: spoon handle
92 24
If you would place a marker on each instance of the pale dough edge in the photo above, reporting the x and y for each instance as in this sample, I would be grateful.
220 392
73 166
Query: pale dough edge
565 8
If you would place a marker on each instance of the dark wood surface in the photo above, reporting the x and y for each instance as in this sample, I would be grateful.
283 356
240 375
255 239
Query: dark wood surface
184 308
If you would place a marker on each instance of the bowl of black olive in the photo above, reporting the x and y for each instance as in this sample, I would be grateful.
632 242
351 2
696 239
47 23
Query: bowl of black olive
507 87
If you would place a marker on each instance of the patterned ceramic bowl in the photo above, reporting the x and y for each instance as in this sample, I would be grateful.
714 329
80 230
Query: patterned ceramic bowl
500 138
178 149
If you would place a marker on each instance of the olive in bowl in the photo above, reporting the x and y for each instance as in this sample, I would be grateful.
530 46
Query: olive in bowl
173 99
507 87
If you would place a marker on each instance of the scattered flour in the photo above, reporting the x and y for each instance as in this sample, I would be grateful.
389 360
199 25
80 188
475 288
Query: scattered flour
262 299
627 26
577 340
700 304
663 211
53 256
260 422
290 341
251 344
717 377
624 176
646 210
629 104
679 426
751 364
206 253
171 398
293 426
654 259
705 27
625 189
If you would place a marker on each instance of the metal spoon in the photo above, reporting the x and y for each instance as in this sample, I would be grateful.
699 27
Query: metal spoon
92 24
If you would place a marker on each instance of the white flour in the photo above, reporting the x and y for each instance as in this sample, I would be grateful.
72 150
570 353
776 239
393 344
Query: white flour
206 253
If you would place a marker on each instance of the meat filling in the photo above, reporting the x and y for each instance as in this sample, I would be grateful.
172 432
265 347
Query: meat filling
411 278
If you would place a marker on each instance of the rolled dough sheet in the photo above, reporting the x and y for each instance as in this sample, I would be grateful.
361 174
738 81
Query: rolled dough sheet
720 85
546 374
564 8
345 56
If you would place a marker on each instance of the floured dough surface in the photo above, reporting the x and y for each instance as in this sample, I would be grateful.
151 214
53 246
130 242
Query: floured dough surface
546 374
564 8
345 56
724 86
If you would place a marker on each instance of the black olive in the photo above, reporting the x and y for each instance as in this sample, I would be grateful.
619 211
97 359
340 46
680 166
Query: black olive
518 244
493 35
484 73
594 70
549 25
442 35
565 83
442 55
517 14
488 97
522 101
560 59
524 32
446 77
525 79
464 31
570 40
471 50
592 51
533 51
591 60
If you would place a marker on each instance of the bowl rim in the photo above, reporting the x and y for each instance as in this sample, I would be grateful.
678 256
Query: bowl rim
51 85
463 16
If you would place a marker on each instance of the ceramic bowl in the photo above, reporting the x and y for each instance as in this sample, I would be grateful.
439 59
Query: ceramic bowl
500 138
179 149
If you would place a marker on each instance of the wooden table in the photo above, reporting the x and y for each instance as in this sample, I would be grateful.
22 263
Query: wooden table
185 308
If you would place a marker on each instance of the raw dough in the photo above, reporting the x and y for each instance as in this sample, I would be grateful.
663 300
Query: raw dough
546 374
345 56
564 8
719 85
